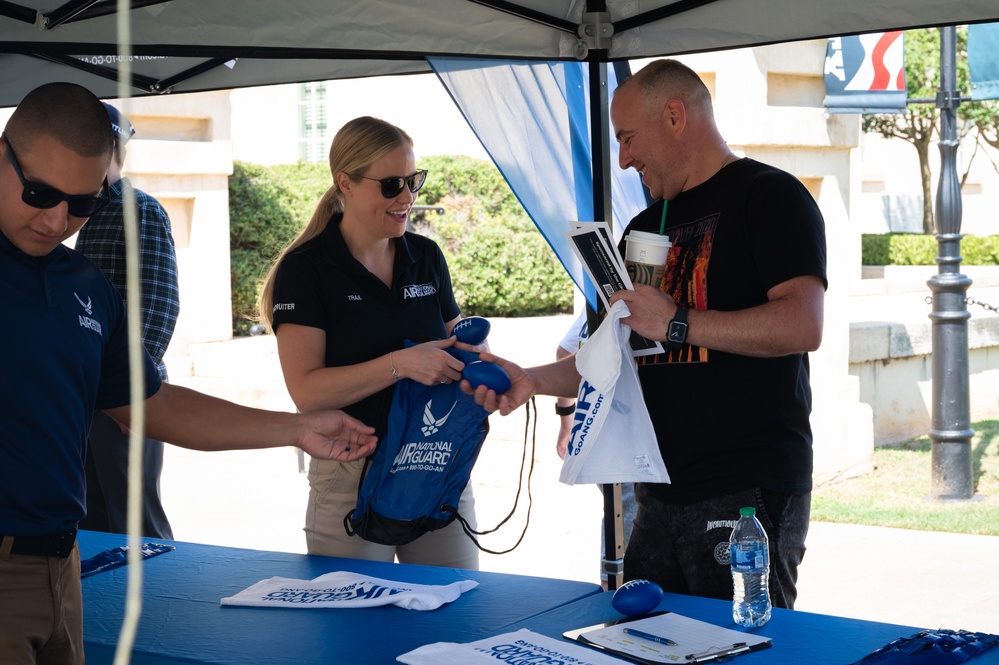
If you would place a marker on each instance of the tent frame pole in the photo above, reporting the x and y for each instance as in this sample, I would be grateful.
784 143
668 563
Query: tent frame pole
612 562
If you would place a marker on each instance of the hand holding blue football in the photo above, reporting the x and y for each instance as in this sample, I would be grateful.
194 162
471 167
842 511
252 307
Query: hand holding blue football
481 373
522 387
472 330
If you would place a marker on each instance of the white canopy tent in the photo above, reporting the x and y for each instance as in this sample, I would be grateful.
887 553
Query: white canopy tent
197 45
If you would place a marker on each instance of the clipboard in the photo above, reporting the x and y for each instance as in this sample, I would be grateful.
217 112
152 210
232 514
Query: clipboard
694 641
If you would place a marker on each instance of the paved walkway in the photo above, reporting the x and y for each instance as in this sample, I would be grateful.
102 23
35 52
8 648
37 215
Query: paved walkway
256 499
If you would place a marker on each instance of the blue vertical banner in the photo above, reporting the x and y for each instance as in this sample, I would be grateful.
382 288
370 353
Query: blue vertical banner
983 60
865 73
533 120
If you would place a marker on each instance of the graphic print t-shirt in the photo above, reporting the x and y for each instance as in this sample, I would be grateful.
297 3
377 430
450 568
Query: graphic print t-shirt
727 422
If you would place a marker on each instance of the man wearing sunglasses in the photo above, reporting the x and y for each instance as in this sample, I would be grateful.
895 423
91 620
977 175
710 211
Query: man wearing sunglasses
64 350
102 240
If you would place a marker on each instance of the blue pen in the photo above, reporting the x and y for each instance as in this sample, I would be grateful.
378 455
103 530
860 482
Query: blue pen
651 638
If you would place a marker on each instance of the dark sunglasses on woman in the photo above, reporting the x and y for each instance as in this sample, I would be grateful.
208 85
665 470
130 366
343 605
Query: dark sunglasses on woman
38 195
392 187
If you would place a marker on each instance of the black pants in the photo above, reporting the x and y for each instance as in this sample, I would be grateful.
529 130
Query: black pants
107 482
684 548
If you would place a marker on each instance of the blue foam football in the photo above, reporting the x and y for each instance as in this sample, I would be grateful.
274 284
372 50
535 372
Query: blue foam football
492 376
637 597
472 330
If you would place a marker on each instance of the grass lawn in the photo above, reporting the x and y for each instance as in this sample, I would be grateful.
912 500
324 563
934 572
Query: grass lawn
897 492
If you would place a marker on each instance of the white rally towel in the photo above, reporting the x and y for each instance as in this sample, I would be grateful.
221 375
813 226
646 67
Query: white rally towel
347 590
612 438
523 646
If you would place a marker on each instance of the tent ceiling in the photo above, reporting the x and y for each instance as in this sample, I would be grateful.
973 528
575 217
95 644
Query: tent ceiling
190 45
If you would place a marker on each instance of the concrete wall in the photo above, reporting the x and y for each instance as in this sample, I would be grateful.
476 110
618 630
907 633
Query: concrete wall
266 121
768 104
891 196
891 348
182 154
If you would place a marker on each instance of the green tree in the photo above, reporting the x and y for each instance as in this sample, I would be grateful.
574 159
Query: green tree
918 123
987 124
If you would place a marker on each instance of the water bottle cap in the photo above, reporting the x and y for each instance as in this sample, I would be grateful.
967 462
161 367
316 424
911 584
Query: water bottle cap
748 510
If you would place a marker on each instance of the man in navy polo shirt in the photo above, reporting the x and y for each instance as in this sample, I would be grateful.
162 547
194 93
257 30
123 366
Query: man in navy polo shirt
64 350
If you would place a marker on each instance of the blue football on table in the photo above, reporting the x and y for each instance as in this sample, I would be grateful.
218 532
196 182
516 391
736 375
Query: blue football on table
637 597
492 376
472 330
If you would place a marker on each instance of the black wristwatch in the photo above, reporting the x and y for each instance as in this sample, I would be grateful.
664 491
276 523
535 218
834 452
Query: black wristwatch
676 332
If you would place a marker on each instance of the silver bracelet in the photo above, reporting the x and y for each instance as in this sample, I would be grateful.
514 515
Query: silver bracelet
395 375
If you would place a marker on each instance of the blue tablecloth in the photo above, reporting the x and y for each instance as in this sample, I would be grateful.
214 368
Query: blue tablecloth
799 638
182 621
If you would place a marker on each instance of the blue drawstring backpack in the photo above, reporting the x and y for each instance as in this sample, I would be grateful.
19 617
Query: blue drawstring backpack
416 476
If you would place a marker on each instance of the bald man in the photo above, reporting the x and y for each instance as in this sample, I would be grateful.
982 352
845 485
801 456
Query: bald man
739 309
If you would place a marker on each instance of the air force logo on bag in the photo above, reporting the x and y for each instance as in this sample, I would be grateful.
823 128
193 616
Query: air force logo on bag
426 455
431 424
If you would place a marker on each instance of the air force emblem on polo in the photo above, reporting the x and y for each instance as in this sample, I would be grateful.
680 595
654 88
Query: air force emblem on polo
123 129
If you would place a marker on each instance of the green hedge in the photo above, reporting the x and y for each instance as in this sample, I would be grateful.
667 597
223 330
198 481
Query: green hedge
268 206
917 249
500 264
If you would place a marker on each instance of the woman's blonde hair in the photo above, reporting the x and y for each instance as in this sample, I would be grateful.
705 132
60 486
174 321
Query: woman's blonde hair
359 143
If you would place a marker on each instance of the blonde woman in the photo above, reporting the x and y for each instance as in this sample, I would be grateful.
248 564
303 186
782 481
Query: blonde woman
342 299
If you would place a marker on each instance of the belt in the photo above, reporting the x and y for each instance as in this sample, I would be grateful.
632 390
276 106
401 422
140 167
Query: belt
55 545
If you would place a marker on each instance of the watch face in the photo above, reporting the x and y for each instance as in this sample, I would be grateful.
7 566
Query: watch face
677 333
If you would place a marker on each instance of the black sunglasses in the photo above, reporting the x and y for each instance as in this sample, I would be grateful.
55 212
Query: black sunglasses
392 187
38 195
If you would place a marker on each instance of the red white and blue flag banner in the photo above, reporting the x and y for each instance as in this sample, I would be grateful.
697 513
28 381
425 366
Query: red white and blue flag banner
865 73
983 60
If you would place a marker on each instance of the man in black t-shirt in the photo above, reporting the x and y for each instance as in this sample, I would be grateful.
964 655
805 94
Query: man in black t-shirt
739 308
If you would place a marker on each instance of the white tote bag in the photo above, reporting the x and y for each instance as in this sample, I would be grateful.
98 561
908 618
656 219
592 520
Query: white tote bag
612 439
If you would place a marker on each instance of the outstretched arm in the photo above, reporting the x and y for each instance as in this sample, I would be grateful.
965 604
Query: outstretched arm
194 420
559 378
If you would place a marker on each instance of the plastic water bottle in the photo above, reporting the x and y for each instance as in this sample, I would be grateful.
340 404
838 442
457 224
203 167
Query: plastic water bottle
750 571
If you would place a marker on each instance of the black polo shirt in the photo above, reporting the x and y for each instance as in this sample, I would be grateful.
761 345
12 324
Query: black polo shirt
321 285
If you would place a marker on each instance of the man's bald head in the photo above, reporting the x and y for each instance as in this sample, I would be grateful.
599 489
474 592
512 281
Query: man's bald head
665 79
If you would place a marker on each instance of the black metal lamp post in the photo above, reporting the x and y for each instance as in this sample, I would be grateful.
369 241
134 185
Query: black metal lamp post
951 431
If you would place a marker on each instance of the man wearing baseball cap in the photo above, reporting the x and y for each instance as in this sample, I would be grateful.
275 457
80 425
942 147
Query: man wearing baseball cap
102 240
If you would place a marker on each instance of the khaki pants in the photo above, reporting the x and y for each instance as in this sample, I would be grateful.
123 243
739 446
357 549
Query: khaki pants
41 610
333 493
